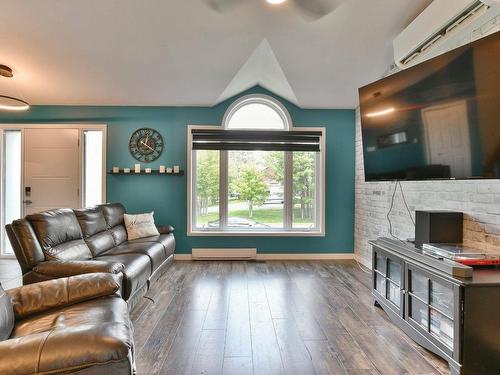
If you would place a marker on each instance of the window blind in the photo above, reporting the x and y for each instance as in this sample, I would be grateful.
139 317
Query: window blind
252 140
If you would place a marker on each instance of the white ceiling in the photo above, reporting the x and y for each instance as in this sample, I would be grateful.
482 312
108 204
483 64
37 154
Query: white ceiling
181 53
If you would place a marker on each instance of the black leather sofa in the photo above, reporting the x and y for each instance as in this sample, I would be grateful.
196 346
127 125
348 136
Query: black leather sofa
66 242
68 325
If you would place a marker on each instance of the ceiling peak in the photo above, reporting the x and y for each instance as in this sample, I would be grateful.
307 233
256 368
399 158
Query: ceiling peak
261 69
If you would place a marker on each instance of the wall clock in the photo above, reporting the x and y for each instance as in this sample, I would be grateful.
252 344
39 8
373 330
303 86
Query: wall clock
146 145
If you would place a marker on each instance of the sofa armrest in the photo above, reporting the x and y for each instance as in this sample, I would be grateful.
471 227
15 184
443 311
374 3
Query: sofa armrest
75 267
166 229
39 297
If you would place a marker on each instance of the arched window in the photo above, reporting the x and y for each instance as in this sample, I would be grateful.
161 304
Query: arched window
257 112
256 174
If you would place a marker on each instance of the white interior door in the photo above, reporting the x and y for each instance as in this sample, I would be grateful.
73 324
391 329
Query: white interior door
448 137
51 169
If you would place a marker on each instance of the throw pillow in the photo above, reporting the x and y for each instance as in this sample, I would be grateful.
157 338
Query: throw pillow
139 226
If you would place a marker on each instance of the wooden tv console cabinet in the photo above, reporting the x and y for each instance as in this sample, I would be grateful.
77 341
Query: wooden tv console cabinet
439 306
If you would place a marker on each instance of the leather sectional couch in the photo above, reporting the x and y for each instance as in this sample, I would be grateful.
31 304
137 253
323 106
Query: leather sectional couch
65 242
68 325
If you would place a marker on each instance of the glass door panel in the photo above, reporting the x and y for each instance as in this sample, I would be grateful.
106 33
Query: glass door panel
12 167
380 284
394 293
381 263
419 312
441 298
442 327
93 167
419 285
394 272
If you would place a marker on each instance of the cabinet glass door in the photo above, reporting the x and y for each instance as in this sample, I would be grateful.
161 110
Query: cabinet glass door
419 312
394 282
418 298
431 307
441 297
388 279
380 284
381 263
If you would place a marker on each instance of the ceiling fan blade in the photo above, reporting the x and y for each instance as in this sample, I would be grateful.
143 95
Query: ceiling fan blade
223 5
315 9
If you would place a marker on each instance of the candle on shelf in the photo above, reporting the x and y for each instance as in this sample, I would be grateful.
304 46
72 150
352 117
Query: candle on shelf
126 170
148 170
169 170
176 169
162 169
137 168
116 169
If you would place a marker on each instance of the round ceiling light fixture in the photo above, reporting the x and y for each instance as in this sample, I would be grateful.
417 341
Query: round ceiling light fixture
275 2
10 103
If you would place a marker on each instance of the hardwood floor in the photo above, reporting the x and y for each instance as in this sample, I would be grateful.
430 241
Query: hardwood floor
10 273
271 318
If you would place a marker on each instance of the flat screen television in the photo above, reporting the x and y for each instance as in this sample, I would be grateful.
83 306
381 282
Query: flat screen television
436 120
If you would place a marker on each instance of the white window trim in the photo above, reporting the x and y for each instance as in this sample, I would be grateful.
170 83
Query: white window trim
319 231
21 127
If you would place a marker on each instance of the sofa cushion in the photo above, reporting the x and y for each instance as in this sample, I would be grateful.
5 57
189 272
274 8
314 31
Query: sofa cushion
167 240
119 234
86 334
6 315
154 250
91 221
113 213
100 242
94 230
59 234
71 250
136 272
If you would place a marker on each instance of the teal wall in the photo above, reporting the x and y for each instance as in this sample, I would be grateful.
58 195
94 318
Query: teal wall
167 196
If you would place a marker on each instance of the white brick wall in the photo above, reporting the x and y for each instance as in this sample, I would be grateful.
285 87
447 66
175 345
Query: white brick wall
479 200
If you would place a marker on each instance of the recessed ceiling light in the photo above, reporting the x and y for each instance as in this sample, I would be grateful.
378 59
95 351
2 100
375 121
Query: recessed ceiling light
275 2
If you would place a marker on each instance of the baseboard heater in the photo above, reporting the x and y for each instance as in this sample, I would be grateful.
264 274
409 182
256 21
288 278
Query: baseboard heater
224 254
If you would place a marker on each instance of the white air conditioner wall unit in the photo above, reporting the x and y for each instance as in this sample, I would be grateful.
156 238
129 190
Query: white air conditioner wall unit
443 26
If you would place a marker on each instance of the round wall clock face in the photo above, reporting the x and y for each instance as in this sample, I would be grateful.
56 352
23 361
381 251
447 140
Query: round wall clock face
146 145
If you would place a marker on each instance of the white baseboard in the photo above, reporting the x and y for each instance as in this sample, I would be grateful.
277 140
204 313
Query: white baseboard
182 257
363 261
304 256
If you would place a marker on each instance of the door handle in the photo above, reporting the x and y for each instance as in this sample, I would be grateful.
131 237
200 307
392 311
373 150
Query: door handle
27 201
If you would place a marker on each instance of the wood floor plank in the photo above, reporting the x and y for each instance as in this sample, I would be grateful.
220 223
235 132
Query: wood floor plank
296 358
328 310
405 353
238 335
296 309
154 350
324 360
209 358
238 366
271 318
266 354
182 355
350 354
218 307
